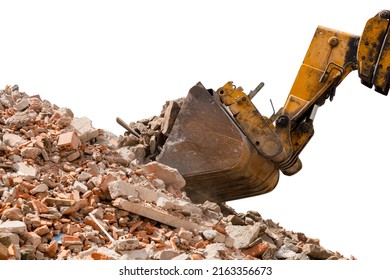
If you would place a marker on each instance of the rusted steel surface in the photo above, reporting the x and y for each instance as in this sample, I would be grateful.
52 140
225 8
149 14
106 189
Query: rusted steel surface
216 159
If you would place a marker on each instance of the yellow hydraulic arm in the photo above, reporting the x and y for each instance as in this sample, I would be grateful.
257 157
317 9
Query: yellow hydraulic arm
331 56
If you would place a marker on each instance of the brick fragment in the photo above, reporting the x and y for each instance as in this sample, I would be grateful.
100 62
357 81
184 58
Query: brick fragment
32 238
73 156
12 214
39 207
84 128
76 207
3 252
73 228
39 189
14 251
22 104
257 250
30 152
68 240
103 186
89 221
42 230
196 257
50 201
52 249
68 141
99 256
109 217
201 244
135 226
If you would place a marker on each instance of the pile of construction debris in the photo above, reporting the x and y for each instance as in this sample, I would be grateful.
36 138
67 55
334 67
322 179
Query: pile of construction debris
70 191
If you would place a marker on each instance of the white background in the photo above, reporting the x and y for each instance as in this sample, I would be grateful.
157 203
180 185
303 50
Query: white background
105 59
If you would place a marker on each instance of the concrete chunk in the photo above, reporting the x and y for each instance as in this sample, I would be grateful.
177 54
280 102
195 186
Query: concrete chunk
73 156
210 234
155 214
165 203
141 254
30 152
316 251
169 175
7 238
21 119
284 253
211 251
126 244
25 170
212 206
121 188
243 235
80 187
22 105
84 129
13 140
167 254
149 195
170 115
12 214
235 220
13 227
65 112
39 189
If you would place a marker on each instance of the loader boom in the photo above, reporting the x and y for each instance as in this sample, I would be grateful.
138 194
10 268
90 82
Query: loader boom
226 149
331 56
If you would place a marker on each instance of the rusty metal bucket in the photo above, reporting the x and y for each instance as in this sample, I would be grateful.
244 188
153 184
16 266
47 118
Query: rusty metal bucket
215 158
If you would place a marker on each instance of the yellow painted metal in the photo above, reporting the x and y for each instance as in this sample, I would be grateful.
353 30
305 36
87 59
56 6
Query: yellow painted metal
260 132
374 53
329 59
213 154
236 153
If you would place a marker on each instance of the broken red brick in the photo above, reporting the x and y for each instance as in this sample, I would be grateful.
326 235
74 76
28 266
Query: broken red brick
68 140
257 250
135 226
46 222
39 207
3 252
99 256
12 250
50 201
201 244
196 257
149 228
109 217
220 229
42 230
87 194
103 186
89 221
76 207
68 240
73 228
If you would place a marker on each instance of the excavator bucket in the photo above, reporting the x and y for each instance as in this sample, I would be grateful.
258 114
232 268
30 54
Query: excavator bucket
215 158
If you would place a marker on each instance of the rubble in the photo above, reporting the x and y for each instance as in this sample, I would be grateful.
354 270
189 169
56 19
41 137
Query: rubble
70 191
